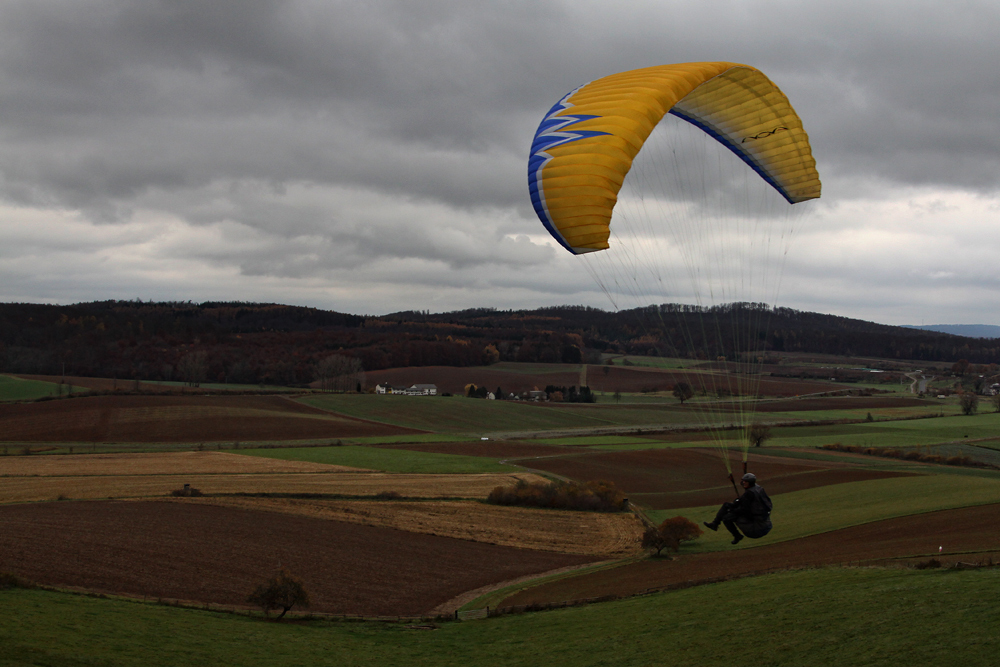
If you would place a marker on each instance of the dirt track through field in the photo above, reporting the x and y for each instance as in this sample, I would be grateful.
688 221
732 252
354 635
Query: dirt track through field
970 529
219 554
601 534
179 419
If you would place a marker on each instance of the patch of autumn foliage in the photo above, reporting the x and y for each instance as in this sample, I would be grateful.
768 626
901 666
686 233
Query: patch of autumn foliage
593 496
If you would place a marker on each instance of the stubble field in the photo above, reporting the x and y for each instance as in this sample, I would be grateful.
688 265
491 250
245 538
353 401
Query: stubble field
35 489
611 535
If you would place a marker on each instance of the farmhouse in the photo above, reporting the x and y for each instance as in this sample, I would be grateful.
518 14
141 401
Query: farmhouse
414 390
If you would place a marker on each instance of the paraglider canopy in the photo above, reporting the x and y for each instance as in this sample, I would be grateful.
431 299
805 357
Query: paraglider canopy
585 144
674 184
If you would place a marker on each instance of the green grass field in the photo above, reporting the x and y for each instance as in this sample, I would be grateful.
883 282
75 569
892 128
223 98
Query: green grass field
905 433
385 460
610 441
801 513
19 389
827 617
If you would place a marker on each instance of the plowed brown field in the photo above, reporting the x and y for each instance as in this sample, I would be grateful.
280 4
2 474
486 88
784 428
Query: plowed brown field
959 531
178 419
599 534
219 554
498 449
670 478
30 489
170 463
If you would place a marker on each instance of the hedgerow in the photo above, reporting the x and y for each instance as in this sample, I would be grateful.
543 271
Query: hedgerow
908 455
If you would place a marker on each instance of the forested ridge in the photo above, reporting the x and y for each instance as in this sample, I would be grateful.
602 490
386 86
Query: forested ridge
271 343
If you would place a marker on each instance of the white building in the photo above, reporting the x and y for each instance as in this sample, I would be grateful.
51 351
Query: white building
415 390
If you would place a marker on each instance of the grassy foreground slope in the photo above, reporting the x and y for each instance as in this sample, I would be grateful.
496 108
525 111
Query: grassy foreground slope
801 513
832 617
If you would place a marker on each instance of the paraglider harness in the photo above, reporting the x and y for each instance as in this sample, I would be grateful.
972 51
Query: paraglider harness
755 519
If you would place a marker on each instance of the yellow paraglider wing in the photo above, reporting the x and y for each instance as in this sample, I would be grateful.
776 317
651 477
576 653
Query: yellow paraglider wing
585 145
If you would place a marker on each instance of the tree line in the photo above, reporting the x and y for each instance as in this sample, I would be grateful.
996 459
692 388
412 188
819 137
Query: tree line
247 343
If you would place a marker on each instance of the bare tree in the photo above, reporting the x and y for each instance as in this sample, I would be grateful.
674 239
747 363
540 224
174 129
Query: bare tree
339 372
757 433
193 367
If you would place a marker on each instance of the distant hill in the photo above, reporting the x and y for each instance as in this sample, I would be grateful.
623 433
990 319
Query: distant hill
251 343
967 330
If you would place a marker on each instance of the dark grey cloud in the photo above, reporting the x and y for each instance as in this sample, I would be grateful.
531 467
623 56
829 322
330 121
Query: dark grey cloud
305 142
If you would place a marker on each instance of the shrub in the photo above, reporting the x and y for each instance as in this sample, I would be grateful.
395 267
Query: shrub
594 496
186 492
909 455
282 591
10 580
388 495
928 564
670 534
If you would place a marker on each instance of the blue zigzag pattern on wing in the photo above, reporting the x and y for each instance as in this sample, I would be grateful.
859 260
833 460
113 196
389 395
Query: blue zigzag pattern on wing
553 131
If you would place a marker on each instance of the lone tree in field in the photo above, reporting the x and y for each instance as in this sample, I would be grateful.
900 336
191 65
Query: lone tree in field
670 534
757 433
969 402
282 591
683 391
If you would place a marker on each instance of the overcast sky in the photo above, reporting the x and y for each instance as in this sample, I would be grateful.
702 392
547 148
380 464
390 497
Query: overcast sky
370 157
